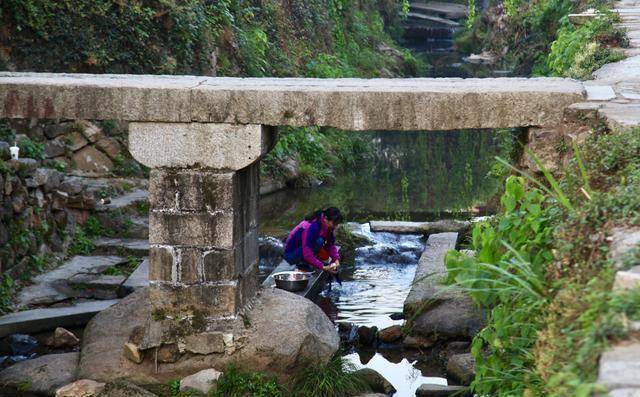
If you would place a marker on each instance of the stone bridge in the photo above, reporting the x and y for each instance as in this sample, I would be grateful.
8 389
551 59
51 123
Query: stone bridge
203 139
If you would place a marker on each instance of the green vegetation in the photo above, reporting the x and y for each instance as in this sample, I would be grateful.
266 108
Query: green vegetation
580 50
235 383
336 378
537 37
6 292
124 268
543 273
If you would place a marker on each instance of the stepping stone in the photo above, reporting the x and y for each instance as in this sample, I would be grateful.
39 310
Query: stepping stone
122 246
140 277
420 227
37 320
428 390
96 286
50 287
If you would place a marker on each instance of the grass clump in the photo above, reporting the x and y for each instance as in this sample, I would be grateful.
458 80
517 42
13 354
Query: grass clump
235 383
337 378
542 271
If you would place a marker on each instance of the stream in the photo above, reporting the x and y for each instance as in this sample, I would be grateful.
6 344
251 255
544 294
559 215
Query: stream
413 176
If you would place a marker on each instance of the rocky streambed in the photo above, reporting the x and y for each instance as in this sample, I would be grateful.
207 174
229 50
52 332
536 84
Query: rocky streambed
413 352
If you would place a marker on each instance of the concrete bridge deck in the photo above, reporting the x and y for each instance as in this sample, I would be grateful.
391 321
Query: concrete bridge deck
348 104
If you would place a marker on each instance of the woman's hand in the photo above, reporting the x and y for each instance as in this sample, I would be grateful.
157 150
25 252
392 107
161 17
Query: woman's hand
330 269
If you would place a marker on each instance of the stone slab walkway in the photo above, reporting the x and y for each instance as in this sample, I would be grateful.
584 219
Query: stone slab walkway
36 320
430 271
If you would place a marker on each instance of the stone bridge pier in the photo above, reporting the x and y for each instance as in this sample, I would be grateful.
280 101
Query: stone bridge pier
203 218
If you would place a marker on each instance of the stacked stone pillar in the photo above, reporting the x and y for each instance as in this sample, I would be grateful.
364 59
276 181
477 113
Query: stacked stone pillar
203 215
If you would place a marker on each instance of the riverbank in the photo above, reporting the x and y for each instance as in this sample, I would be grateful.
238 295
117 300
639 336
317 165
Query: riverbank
557 267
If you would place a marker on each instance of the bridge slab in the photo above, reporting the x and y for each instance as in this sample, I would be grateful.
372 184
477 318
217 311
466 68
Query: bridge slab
349 104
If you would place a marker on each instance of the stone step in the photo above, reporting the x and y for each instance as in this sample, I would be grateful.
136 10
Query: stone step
629 279
122 246
52 287
425 17
138 228
446 10
139 278
620 367
37 320
127 202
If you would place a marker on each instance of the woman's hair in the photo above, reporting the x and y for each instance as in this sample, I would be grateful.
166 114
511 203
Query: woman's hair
331 213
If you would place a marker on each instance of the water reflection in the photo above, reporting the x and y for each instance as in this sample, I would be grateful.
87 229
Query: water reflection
411 176
403 375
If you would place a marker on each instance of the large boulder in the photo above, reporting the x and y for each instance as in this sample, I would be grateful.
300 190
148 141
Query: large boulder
456 317
41 376
280 334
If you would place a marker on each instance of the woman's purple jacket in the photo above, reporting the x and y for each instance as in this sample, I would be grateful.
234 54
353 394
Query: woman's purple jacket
304 237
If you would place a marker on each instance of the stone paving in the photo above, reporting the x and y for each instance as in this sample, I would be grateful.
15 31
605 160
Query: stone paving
615 91
615 94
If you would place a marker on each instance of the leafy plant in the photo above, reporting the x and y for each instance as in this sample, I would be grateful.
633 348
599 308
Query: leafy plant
82 243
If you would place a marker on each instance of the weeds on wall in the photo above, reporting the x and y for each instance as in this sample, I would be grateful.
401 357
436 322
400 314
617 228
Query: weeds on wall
543 272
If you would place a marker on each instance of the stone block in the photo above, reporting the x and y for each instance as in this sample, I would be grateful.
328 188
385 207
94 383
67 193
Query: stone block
190 266
222 264
161 263
205 343
196 145
92 132
202 382
192 229
55 148
91 159
209 300
109 146
75 141
191 190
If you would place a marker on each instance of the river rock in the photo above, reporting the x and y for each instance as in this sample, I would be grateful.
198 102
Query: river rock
418 342
22 344
123 388
390 334
453 318
132 353
462 368
41 375
81 388
367 335
376 381
397 316
457 347
372 395
62 338
202 381
428 390
276 342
